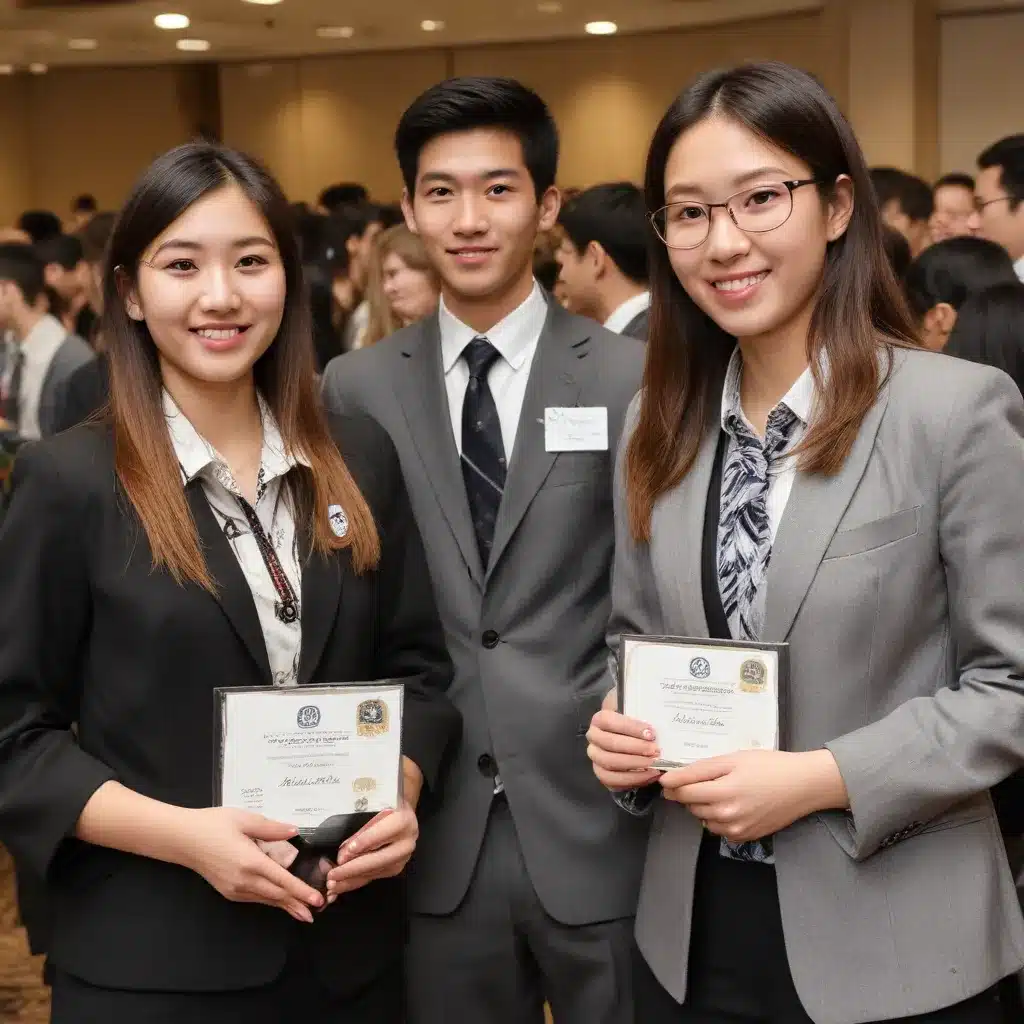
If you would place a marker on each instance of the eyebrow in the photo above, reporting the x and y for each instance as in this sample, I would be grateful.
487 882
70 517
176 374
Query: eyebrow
684 188
436 177
190 246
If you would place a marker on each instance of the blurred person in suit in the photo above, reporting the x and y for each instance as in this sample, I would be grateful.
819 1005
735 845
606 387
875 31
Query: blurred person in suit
999 197
953 206
603 257
906 203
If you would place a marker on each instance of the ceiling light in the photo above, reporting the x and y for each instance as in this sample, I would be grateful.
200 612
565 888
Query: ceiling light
549 7
601 28
193 45
336 32
38 69
82 44
172 21
432 26
6 69
264 3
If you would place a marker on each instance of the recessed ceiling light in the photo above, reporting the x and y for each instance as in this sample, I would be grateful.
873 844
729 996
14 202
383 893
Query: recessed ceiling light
336 32
432 26
264 3
172 21
38 68
82 44
601 28
549 7
193 45
6 69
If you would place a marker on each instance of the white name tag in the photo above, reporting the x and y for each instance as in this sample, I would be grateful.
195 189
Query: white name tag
576 429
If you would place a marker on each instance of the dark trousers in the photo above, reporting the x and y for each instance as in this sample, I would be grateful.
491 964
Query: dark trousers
500 956
297 995
738 971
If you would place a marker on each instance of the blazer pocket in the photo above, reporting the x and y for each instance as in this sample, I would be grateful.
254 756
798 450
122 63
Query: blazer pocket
875 534
579 468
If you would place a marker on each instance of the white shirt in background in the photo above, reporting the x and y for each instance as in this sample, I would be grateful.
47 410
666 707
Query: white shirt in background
628 312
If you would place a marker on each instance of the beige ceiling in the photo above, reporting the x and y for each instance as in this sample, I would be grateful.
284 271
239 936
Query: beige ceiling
240 30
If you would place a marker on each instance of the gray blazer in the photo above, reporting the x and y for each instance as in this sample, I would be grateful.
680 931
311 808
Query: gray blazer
916 545
639 326
527 694
71 356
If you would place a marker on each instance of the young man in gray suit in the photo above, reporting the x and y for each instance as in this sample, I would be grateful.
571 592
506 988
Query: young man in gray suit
38 356
505 410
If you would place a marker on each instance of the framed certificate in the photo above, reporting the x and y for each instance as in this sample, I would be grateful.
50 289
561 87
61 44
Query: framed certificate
325 759
704 698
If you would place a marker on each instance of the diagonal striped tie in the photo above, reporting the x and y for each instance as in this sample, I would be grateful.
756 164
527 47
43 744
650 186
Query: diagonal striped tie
484 467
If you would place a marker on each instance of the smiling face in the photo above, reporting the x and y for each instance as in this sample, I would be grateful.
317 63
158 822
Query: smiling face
477 212
754 285
411 293
211 290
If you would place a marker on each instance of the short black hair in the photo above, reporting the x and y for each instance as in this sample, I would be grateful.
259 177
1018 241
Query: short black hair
615 216
391 215
64 250
989 329
352 219
40 224
957 179
464 104
913 194
342 194
20 265
897 248
952 270
85 203
1008 155
95 236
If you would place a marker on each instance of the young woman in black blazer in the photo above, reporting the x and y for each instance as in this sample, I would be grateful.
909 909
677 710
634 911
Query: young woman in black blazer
215 528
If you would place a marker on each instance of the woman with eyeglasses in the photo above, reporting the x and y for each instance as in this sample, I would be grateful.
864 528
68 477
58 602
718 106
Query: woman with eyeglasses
796 470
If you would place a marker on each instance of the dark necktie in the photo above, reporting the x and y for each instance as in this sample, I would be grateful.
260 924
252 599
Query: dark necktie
483 453
10 407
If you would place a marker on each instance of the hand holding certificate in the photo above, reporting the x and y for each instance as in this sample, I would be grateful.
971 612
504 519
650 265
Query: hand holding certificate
325 759
702 698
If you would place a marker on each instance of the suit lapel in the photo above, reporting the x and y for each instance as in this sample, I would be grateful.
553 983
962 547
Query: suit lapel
553 383
813 513
233 593
424 402
321 594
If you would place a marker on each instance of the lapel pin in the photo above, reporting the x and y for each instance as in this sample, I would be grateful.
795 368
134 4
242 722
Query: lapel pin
339 521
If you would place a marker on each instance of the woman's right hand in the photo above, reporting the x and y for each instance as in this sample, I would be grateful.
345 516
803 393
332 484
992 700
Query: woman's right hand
223 848
621 749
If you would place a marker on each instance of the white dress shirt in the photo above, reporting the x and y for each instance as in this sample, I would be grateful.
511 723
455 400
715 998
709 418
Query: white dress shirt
38 348
198 458
516 339
800 401
1019 267
628 312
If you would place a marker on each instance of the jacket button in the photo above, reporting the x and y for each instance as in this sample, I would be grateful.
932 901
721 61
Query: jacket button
487 766
490 639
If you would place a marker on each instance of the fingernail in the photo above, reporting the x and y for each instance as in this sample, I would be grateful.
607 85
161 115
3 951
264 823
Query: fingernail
352 847
316 900
648 735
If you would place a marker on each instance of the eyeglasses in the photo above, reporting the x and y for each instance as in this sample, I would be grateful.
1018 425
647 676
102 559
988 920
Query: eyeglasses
980 204
687 225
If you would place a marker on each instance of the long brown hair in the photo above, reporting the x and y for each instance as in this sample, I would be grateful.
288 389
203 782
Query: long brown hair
409 249
859 314
285 374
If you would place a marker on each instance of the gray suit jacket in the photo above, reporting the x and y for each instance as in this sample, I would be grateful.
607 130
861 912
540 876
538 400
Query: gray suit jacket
526 701
916 545
71 356
639 326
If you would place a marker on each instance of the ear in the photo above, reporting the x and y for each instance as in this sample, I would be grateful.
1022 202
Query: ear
550 207
597 256
129 295
407 211
51 274
840 208
945 317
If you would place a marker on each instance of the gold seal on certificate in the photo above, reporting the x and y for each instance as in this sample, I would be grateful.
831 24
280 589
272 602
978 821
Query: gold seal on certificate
703 697
322 758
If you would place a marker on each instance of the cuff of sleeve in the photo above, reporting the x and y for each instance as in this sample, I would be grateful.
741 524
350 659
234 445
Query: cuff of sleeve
430 728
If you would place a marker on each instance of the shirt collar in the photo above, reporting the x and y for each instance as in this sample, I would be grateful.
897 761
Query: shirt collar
799 399
512 336
1019 267
197 456
628 312
45 337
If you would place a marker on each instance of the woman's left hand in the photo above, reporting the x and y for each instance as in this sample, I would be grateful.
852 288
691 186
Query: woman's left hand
380 849
755 793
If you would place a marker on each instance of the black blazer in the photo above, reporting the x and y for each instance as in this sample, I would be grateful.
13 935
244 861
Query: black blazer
90 634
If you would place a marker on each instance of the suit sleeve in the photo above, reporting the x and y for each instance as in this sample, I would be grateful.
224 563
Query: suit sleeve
933 752
46 779
635 605
331 389
410 639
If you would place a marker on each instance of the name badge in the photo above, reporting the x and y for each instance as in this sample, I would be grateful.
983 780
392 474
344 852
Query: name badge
576 429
